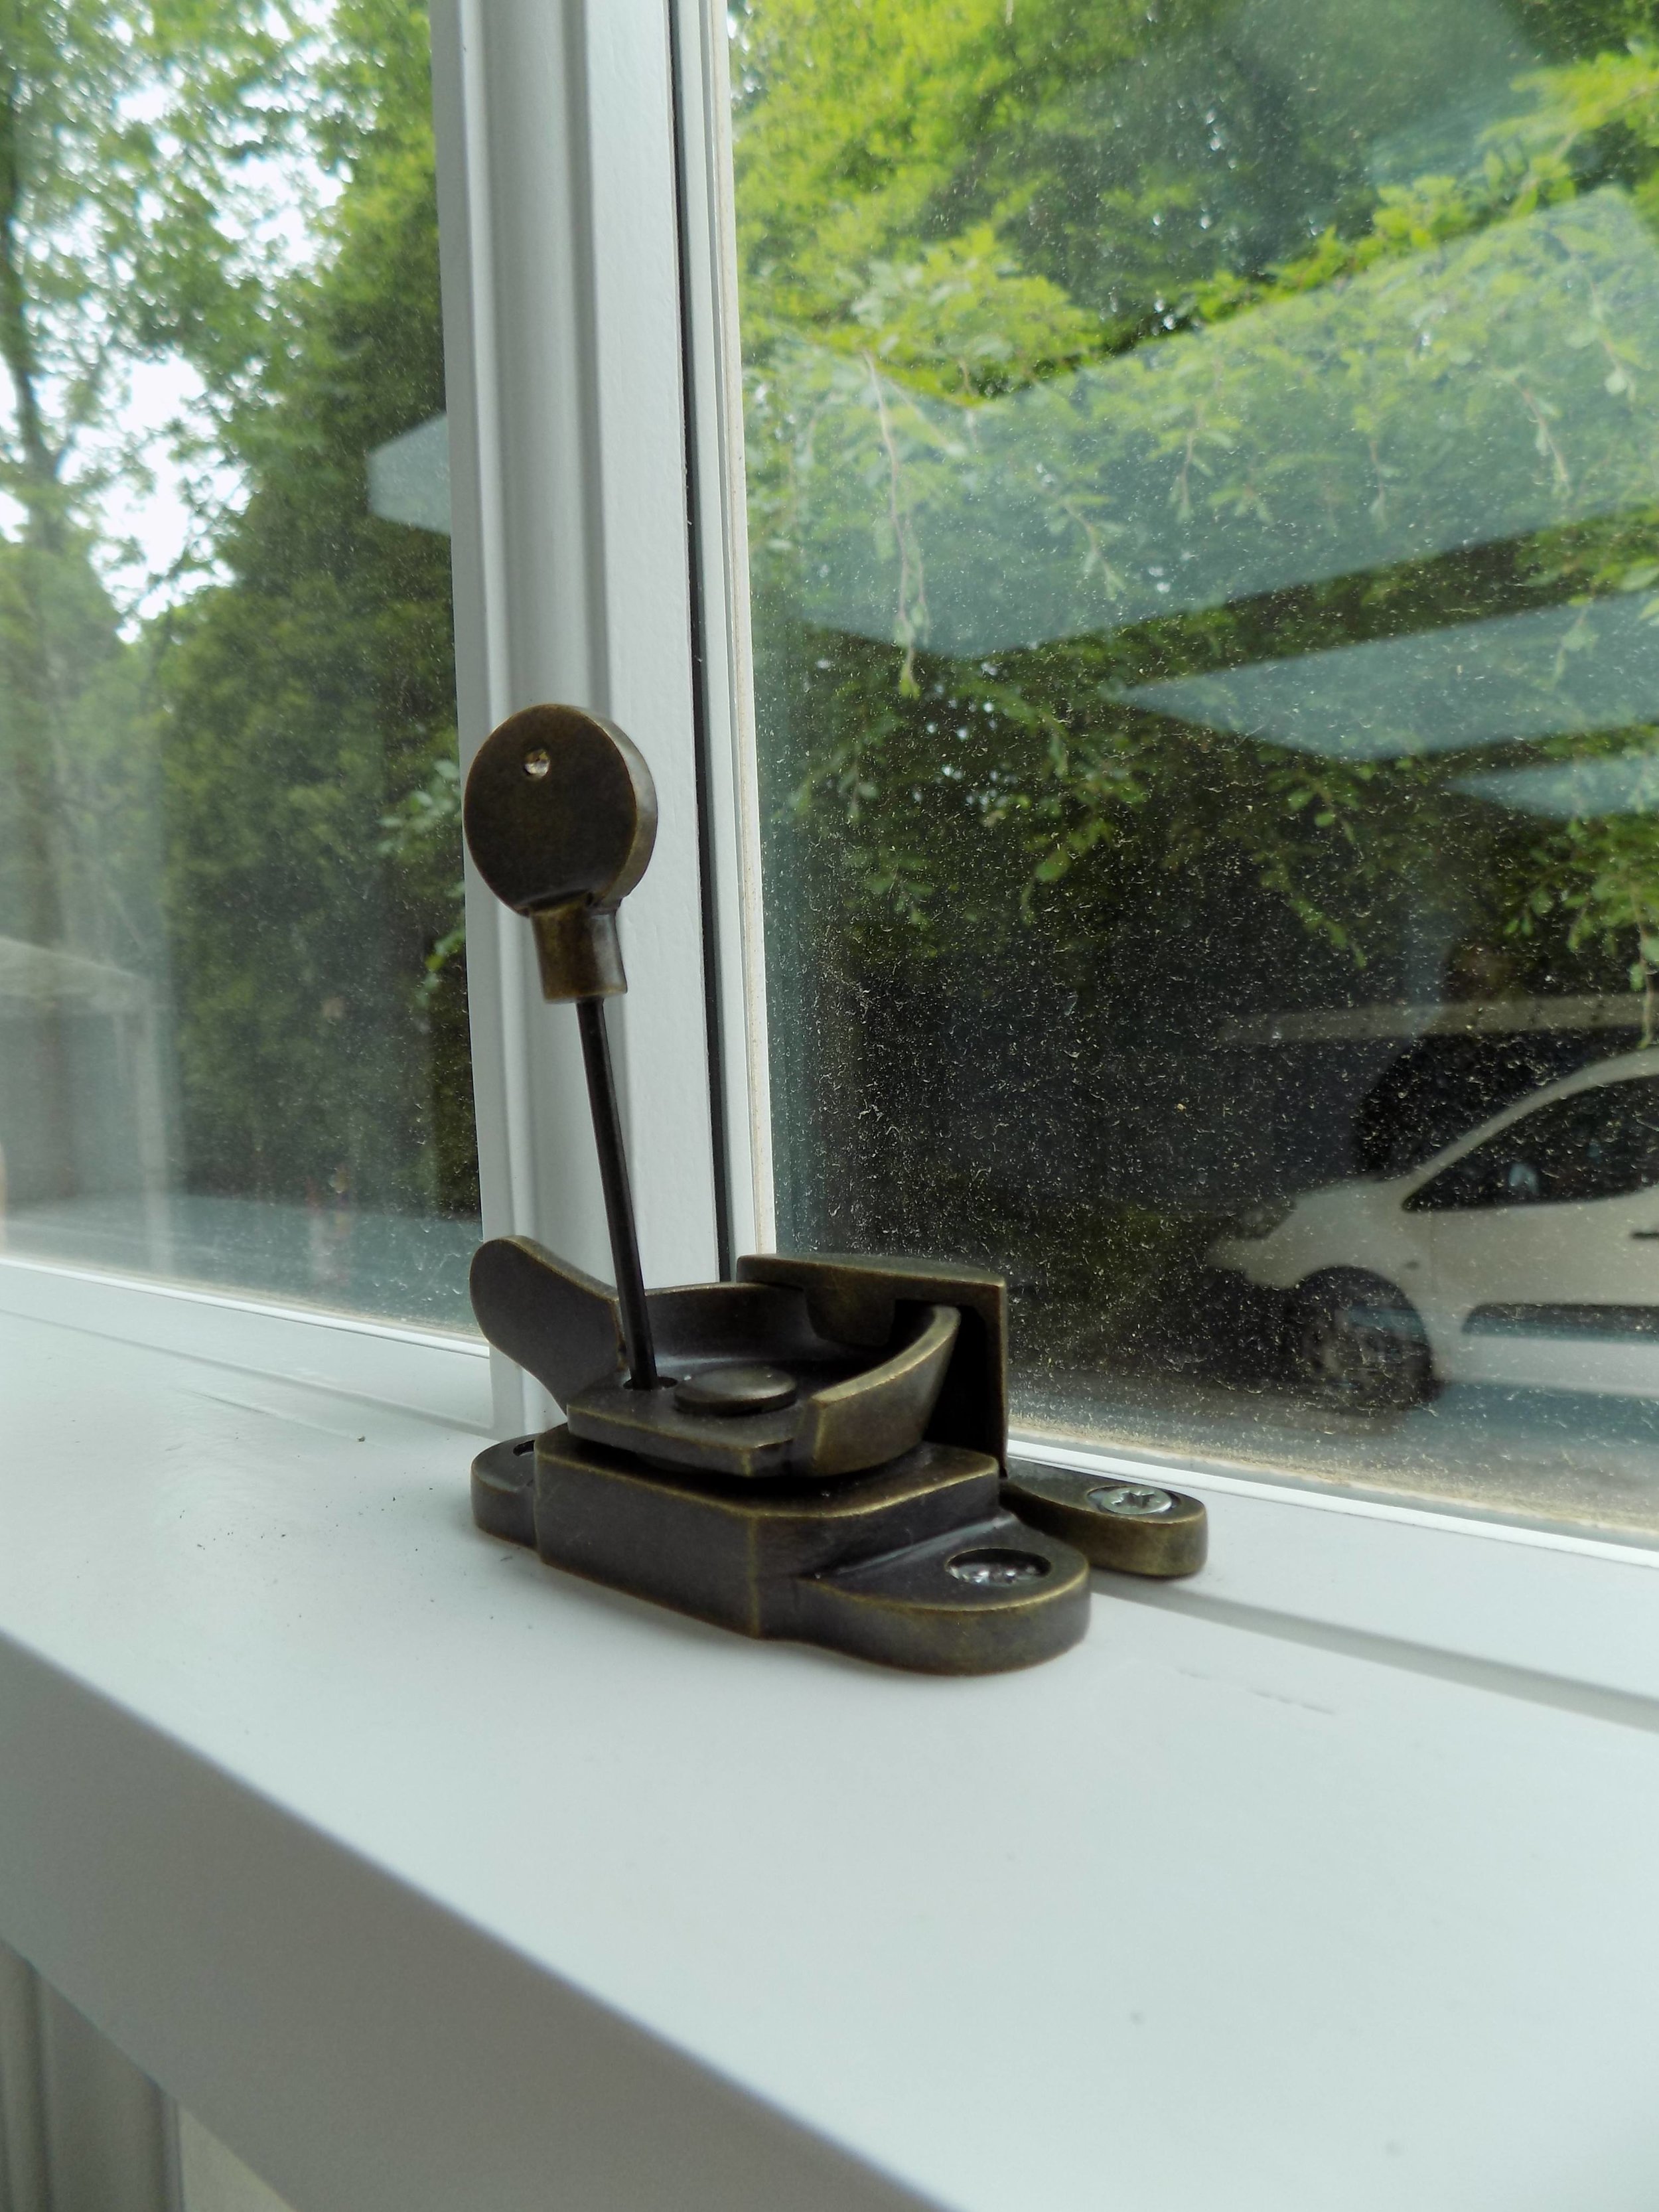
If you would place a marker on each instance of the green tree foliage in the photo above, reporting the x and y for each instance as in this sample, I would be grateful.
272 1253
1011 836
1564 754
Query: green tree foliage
308 718
241 798
121 134
103 205
947 421
1099 359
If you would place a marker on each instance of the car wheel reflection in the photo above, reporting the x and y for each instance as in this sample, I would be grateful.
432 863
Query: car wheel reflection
1357 1341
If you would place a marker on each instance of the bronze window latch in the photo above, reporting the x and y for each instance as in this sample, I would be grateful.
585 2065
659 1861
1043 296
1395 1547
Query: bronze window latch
816 1449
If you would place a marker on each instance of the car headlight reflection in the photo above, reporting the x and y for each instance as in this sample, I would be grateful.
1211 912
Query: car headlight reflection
1262 1220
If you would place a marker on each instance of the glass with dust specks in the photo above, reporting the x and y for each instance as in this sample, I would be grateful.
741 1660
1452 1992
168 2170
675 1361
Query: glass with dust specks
1203 480
233 1006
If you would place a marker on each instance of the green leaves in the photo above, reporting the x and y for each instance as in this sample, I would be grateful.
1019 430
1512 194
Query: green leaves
1029 364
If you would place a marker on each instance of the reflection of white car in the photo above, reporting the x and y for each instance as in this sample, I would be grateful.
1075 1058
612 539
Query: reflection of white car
1528 1252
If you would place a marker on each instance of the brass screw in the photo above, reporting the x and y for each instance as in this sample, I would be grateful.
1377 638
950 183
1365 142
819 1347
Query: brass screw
993 1568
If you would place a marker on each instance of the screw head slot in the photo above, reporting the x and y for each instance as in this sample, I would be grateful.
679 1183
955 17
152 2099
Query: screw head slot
1132 1501
995 1567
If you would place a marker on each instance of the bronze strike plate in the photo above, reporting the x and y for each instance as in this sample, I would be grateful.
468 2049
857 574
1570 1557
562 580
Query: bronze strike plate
1134 1527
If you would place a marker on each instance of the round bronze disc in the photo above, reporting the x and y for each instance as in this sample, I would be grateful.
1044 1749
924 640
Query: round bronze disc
736 1390
559 811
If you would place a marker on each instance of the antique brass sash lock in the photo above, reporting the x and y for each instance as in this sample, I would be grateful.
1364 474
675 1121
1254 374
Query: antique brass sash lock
815 1450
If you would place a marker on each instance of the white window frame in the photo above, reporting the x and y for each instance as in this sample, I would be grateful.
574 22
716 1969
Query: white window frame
599 557
565 396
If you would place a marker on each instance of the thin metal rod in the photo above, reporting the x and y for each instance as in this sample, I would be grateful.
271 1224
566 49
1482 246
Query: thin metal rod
618 1197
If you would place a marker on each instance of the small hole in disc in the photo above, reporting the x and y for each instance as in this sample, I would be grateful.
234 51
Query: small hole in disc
994 1569
537 763
736 1390
527 1444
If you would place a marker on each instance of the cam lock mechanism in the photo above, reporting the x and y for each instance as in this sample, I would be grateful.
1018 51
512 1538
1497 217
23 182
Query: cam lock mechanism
816 1449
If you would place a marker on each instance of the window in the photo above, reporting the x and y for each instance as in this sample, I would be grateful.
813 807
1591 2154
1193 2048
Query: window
1198 599
1598 1143
1204 565
233 1000
263 1722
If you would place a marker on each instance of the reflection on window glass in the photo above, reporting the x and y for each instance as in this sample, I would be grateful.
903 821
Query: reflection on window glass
1204 507
232 1019
1599 1140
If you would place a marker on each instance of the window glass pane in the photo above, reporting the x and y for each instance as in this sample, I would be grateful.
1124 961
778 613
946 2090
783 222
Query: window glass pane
1602 1141
1204 554
232 1002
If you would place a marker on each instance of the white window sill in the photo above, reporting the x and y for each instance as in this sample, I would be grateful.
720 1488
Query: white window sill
427 1877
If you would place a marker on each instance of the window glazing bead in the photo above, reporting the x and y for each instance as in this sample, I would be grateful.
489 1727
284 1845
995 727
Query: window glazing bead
816 1449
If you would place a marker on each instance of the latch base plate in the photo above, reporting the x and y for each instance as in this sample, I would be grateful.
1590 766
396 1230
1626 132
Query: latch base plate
917 1564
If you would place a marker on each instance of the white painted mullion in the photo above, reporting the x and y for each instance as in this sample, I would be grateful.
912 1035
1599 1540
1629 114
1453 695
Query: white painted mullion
562 327
497 985
715 362
484 683
638 399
